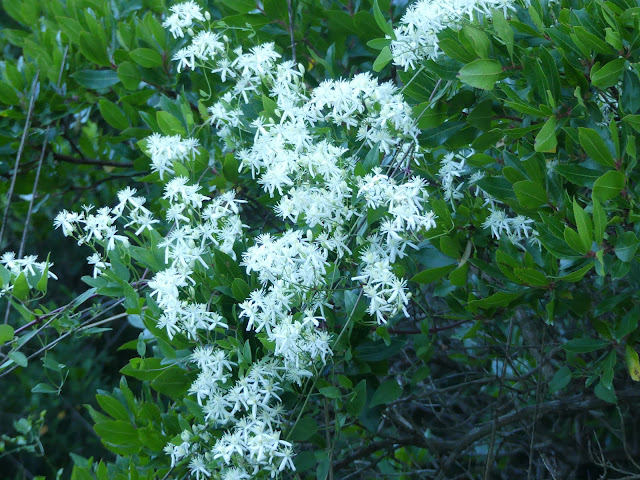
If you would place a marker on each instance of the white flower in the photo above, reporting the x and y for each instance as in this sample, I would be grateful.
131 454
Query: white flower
416 38
197 467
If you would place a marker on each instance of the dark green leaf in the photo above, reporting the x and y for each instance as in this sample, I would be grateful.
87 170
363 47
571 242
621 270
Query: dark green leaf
530 194
303 430
330 392
173 382
381 21
432 274
129 75
584 345
145 57
585 177
531 277
44 388
626 246
96 79
387 392
118 432
560 380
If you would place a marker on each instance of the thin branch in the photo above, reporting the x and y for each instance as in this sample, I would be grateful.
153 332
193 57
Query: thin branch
34 91
90 161
293 43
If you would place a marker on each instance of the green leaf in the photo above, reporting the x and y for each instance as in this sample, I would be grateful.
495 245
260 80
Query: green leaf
379 43
633 121
481 74
387 392
584 345
503 29
113 115
113 407
357 401
8 95
606 394
609 74
583 223
303 430
129 75
20 287
530 194
242 6
574 241
173 382
18 358
531 277
432 274
478 40
384 57
372 158
577 275
381 21
151 438
599 221
117 432
626 246
608 185
496 300
96 79
594 145
585 177
240 289
591 41
459 276
546 140
146 58
560 380
632 361
44 388
230 168
330 392
41 286
6 333
169 124
94 49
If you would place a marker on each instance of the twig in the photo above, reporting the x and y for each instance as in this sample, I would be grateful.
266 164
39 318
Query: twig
293 43
34 91
90 161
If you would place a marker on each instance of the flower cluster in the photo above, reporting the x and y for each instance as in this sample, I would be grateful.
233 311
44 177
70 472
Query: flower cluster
182 18
327 158
416 38
164 150
27 266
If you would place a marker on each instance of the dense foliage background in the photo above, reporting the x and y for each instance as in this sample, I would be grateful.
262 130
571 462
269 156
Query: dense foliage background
518 356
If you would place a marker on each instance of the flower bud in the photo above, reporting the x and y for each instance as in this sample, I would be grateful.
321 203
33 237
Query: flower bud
207 15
